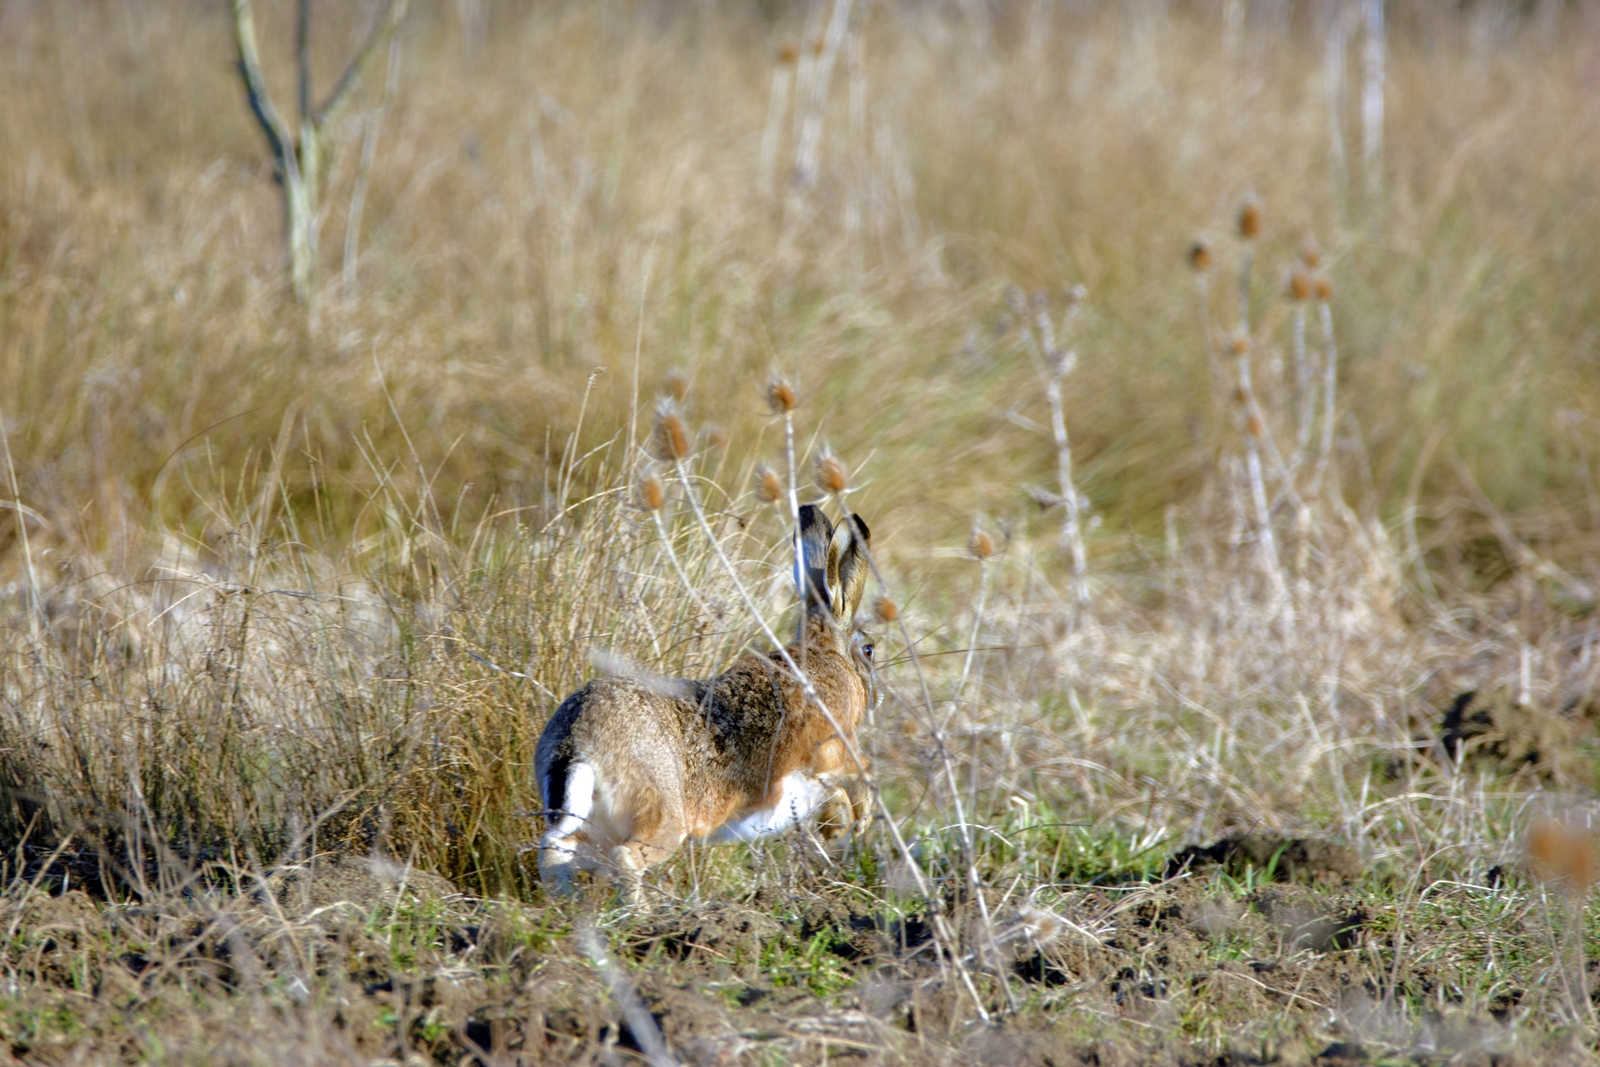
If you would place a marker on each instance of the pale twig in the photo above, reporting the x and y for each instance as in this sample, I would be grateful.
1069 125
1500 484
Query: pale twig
640 1022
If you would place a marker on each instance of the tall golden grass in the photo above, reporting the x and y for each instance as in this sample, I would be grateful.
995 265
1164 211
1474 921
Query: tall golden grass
279 568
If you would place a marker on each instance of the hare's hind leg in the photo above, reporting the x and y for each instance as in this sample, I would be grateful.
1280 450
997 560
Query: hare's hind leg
657 833
558 848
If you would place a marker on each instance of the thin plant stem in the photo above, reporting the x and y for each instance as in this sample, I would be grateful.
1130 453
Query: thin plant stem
1330 377
815 699
1305 389
22 527
369 149
794 525
977 621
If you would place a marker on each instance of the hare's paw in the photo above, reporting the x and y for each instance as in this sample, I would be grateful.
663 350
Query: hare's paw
860 790
557 863
835 815
848 807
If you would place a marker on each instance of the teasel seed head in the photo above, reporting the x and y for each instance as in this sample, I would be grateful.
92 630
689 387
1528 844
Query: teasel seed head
780 396
676 385
832 478
1242 395
1324 286
1299 285
715 435
768 485
1239 341
669 439
886 609
818 44
652 494
1253 427
788 54
1250 219
1310 254
1563 853
1200 256
980 544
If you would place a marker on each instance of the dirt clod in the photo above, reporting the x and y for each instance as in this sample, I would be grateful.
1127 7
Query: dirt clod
1284 859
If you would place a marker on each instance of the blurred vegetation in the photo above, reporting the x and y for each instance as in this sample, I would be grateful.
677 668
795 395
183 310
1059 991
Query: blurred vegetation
277 582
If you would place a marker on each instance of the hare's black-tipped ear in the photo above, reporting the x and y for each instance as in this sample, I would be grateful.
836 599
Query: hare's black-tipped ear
816 555
847 567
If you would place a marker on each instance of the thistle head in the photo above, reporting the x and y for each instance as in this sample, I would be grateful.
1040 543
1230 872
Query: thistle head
885 609
1323 286
1250 219
1310 254
1299 284
980 545
768 485
1239 342
1562 853
788 54
1200 257
831 476
669 438
652 494
676 385
780 396
715 436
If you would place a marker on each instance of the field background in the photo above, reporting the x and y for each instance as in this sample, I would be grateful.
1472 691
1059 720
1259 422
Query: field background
270 575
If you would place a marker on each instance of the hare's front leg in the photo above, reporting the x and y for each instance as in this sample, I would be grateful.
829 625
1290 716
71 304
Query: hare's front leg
848 806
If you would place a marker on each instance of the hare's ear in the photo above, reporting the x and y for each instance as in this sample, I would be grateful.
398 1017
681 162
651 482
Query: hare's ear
816 558
847 567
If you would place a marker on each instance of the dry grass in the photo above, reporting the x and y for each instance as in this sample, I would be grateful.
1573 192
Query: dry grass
294 584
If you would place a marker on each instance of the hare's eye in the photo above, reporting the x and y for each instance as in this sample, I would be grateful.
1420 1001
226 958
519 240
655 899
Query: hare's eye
866 653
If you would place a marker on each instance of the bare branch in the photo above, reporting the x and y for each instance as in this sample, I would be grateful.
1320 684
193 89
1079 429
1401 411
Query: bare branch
302 56
278 136
382 29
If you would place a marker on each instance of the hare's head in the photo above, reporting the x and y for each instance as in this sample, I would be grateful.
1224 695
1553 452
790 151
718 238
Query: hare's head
835 575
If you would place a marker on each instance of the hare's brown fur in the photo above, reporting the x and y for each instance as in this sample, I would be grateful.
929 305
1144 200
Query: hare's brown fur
644 765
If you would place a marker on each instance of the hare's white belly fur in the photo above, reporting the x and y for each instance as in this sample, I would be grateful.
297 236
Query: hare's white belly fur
802 795
584 808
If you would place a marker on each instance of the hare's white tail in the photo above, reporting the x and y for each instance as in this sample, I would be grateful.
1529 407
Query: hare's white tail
572 800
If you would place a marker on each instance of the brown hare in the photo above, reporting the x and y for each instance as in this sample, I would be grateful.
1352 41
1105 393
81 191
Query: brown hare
629 769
